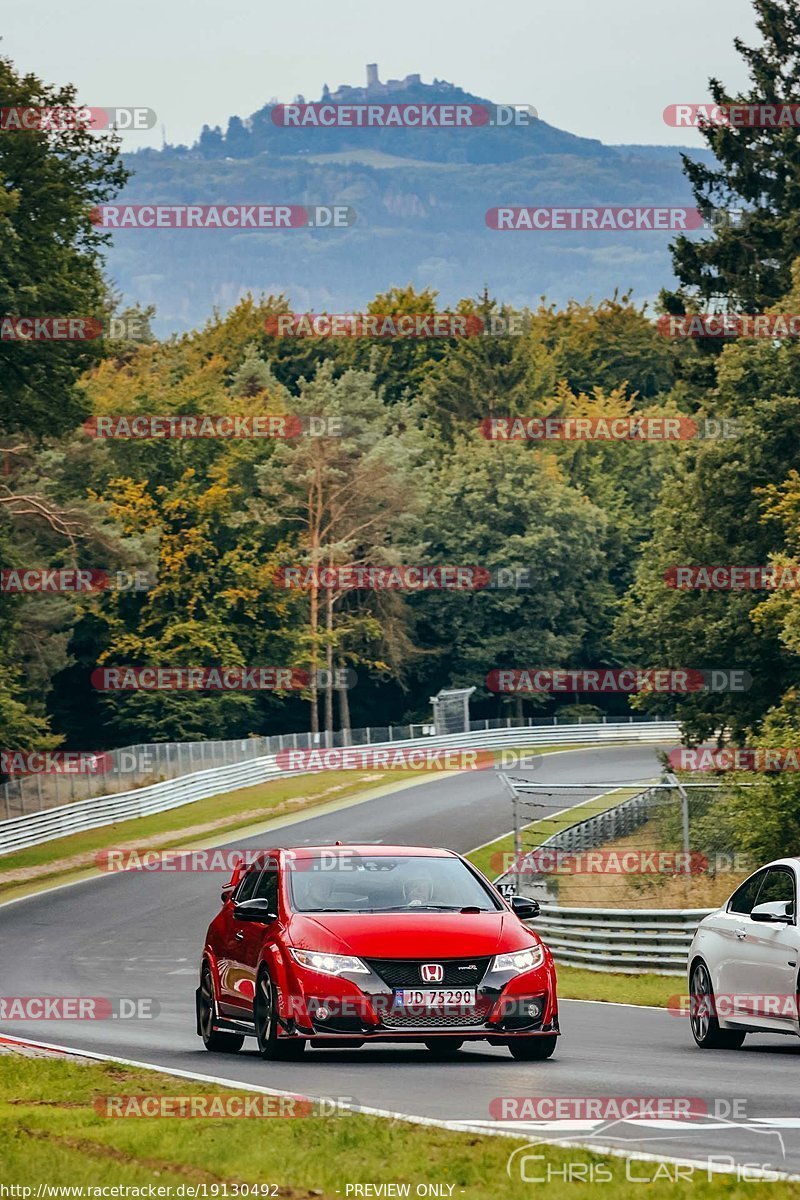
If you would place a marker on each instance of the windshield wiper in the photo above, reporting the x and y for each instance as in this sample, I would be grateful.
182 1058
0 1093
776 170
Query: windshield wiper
450 908
404 908
412 908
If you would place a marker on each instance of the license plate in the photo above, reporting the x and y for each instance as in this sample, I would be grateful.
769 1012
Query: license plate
436 997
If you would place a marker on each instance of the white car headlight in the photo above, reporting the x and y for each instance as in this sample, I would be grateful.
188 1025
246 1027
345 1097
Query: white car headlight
519 960
330 964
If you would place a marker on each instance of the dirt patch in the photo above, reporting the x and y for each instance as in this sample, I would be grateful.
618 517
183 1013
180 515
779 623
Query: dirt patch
25 1051
617 890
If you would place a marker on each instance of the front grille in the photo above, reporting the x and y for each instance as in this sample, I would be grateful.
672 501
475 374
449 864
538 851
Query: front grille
443 1018
405 972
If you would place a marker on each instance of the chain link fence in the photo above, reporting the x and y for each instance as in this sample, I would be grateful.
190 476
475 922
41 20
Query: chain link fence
583 932
669 828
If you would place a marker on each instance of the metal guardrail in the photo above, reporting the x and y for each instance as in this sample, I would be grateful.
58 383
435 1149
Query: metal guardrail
35 828
630 941
130 767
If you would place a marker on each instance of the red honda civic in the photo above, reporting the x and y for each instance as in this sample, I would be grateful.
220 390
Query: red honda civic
342 945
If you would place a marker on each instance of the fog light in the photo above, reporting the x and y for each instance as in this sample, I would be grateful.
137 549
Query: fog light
322 1014
534 1010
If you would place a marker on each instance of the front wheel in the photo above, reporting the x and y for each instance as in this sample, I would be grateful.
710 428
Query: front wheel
265 1018
213 1040
705 1026
532 1049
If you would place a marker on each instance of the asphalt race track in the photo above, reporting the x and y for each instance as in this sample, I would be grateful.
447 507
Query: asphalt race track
140 935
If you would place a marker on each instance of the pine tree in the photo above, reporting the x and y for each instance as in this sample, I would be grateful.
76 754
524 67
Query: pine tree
254 375
748 259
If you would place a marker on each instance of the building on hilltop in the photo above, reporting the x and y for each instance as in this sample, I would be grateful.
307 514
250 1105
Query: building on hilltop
375 88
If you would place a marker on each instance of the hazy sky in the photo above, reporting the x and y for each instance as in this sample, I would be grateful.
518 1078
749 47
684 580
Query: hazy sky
599 68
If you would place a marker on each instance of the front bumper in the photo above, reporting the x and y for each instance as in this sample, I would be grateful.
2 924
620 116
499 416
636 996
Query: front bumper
329 1008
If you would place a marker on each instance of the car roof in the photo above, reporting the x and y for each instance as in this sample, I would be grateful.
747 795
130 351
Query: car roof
368 849
792 862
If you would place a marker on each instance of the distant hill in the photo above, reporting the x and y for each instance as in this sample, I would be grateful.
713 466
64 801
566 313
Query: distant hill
420 196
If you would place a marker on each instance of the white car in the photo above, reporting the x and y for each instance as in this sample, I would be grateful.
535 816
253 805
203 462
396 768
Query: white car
743 961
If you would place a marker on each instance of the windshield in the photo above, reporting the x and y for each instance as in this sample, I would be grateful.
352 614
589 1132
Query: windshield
385 883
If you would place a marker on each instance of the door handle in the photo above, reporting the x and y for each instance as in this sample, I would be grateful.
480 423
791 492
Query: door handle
740 933
239 935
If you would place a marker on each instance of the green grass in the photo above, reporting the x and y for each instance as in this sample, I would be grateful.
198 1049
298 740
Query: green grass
485 858
51 1133
574 983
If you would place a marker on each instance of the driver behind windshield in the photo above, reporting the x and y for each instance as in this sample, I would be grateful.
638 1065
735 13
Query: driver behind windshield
417 892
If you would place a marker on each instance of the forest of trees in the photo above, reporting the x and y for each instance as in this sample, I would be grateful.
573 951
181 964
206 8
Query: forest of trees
412 479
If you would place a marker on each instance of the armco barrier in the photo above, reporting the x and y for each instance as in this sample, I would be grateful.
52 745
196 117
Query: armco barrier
129 767
630 941
34 828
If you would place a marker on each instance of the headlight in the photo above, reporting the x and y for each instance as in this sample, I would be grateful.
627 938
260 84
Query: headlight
520 960
330 964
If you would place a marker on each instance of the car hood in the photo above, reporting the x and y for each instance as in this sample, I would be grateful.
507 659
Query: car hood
410 935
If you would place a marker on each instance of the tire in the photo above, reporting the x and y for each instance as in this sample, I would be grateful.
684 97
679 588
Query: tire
213 1040
705 1026
270 1046
444 1047
532 1049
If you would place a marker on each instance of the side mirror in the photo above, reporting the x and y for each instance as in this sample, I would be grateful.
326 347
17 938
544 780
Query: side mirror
525 909
775 911
230 887
255 910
